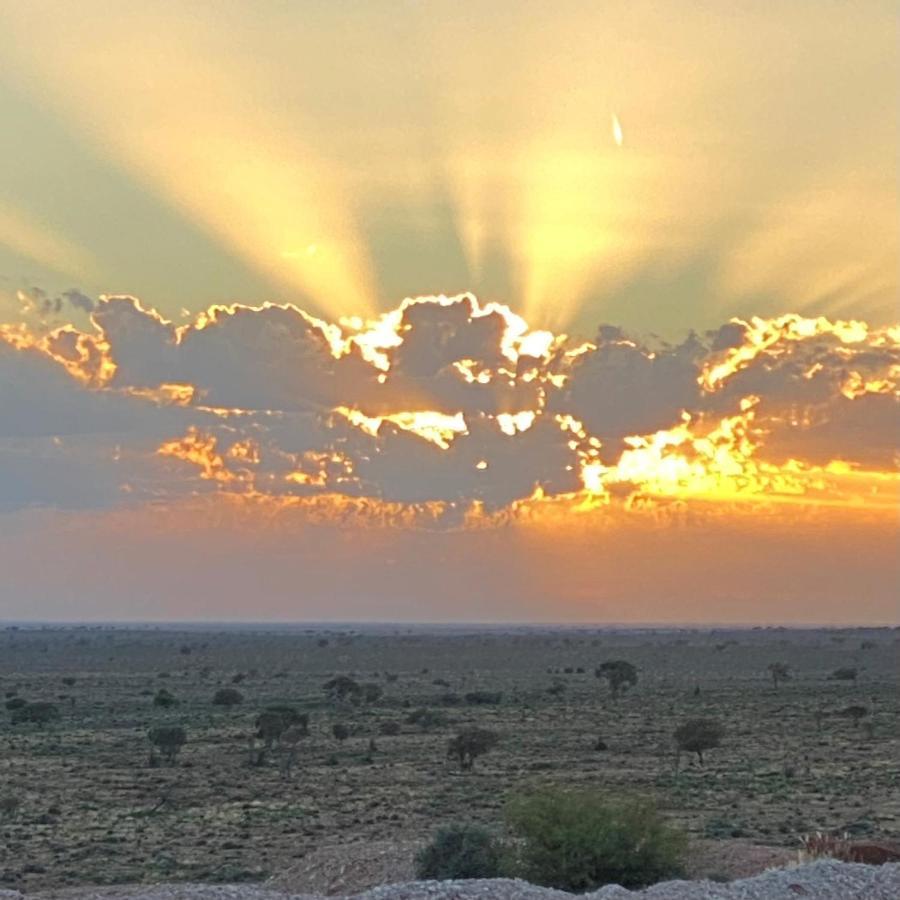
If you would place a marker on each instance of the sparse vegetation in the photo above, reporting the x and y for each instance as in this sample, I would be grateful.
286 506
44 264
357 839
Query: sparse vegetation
578 841
227 697
619 674
698 736
790 762
779 671
461 851
168 740
39 713
845 673
471 743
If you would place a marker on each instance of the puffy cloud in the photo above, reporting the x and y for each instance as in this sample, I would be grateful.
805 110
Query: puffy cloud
442 406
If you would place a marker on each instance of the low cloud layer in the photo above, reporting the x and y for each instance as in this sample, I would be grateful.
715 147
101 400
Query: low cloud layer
442 407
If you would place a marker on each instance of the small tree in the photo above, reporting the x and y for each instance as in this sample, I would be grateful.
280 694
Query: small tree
290 740
579 841
269 727
846 673
291 716
779 672
168 739
164 699
39 713
227 696
460 851
343 688
618 673
698 736
340 731
469 744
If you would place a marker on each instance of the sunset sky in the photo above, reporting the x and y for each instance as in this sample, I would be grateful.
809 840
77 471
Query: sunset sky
449 311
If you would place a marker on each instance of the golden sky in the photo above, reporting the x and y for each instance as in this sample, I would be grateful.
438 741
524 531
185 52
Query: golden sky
674 398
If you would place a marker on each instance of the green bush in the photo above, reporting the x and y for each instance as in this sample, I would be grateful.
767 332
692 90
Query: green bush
581 841
227 697
39 713
460 851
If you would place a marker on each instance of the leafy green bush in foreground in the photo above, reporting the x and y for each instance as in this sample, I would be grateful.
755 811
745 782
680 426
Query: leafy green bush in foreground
580 841
461 851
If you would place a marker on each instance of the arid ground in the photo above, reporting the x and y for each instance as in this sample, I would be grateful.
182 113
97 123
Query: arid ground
80 803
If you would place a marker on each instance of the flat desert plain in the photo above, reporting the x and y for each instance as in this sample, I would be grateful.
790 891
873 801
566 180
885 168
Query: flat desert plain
81 803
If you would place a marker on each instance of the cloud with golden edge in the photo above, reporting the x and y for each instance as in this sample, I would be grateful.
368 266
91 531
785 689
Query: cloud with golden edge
448 411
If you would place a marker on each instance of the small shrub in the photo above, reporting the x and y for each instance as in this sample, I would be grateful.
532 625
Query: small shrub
389 728
340 731
847 673
581 841
16 703
779 671
483 698
168 739
618 673
39 714
227 697
460 851
164 699
698 736
291 716
469 744
343 688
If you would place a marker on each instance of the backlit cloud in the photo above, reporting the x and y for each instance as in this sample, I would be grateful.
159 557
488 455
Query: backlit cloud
443 409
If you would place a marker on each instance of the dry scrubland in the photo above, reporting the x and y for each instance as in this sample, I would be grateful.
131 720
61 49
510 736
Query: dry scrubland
80 804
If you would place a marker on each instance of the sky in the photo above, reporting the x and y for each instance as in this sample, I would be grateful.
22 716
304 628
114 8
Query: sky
449 311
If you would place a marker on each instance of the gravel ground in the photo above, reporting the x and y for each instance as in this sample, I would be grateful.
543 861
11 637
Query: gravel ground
821 880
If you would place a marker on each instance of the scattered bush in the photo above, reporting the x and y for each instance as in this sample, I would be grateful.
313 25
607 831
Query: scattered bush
164 699
389 728
168 739
779 672
16 703
469 744
227 697
291 716
847 673
483 698
340 731
618 673
698 736
460 851
581 841
39 713
343 688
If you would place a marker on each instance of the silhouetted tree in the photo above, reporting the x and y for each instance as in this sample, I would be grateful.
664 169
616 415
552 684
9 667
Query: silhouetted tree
469 744
618 673
168 739
779 672
698 736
